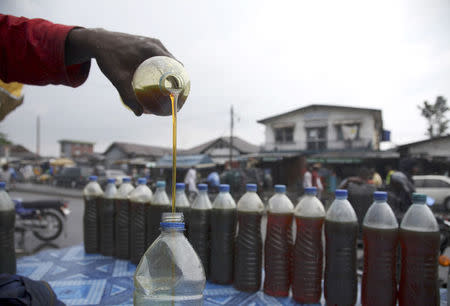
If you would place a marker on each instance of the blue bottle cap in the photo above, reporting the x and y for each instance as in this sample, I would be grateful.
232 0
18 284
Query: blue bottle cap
251 187
160 184
180 186
142 181
2 185
419 198
311 190
341 193
202 187
224 188
280 188
126 179
111 180
93 178
380 195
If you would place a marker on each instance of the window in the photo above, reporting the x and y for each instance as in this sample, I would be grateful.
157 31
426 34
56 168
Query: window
347 131
316 138
284 135
418 183
436 184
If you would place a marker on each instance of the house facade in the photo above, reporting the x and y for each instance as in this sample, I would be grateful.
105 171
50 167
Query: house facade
74 148
318 128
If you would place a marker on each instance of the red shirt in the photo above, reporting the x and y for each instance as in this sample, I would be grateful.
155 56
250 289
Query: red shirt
32 52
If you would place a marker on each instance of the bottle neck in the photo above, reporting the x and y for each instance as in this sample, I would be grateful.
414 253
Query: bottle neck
341 198
172 222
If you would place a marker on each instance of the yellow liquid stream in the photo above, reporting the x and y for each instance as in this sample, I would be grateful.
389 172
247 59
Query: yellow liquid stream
174 99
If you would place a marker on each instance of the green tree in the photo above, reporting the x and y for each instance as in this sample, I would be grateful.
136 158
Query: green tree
4 139
435 115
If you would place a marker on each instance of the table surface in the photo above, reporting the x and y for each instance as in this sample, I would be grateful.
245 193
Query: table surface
92 279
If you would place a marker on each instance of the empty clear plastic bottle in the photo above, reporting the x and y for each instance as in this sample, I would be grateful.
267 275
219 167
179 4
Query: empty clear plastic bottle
248 247
199 225
106 214
223 230
182 204
278 245
155 79
159 204
380 236
308 250
7 221
92 195
139 198
419 239
122 222
341 231
170 272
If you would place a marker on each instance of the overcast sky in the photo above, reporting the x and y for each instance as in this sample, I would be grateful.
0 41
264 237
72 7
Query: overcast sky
264 57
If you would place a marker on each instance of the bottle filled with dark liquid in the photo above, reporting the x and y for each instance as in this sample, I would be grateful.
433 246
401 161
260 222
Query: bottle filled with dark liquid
308 249
223 230
182 204
92 195
159 204
122 222
278 245
155 79
380 237
139 199
199 226
341 231
7 222
248 245
419 240
106 219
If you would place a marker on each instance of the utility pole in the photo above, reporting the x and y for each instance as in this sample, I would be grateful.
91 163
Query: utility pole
38 135
231 134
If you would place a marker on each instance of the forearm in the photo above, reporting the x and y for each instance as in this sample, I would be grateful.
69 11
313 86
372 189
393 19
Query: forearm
33 52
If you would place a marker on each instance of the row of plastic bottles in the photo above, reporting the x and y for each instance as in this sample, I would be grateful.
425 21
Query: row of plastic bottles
228 257
122 222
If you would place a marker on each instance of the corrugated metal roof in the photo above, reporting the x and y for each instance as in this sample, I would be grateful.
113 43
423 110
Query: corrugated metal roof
238 143
186 161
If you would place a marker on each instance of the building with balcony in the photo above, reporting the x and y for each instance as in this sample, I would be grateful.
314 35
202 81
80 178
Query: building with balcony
319 128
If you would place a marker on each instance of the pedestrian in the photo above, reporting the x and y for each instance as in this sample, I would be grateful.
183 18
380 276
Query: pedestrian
191 180
311 178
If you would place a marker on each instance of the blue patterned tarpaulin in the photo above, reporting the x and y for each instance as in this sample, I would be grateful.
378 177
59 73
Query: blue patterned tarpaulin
91 279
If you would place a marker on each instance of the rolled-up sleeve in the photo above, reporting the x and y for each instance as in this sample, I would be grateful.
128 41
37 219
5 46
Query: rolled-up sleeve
32 52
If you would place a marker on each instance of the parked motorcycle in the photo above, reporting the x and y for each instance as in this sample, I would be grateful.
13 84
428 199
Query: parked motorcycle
44 218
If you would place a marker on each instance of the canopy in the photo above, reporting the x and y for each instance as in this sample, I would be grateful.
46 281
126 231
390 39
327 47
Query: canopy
62 162
186 161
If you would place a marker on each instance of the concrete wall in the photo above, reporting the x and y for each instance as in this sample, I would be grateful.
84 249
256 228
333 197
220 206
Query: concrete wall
440 147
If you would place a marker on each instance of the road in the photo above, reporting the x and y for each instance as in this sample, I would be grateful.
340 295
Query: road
73 233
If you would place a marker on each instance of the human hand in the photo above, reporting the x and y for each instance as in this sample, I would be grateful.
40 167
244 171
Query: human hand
117 54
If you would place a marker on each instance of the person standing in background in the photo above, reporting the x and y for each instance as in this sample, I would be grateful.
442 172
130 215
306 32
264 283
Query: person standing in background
311 178
191 180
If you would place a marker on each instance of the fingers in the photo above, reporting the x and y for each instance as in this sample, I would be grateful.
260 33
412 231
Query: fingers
129 98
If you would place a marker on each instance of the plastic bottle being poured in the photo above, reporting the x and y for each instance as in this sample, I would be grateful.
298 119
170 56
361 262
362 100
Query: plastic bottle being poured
155 80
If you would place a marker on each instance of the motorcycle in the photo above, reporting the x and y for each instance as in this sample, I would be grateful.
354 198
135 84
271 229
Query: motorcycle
44 218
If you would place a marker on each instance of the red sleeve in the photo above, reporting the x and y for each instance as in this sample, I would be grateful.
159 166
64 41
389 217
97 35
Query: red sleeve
32 52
